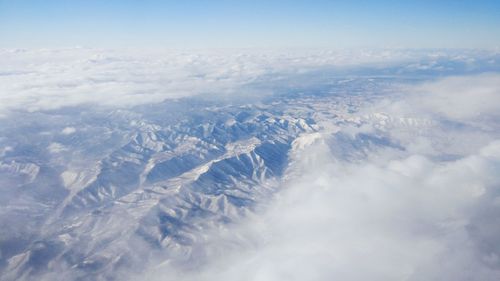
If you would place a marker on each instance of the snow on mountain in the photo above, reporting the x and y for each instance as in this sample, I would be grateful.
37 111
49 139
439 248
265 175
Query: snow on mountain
144 180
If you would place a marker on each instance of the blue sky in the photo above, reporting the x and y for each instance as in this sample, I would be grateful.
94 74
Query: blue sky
256 23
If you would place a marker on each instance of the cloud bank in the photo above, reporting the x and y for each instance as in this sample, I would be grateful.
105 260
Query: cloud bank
49 79
402 186
402 212
457 98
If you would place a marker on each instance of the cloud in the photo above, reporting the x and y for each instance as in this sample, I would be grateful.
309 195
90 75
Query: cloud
68 130
457 98
405 189
463 97
56 147
48 79
388 214
408 219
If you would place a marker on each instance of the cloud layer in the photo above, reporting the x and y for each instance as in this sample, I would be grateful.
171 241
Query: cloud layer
409 219
405 187
388 214
48 79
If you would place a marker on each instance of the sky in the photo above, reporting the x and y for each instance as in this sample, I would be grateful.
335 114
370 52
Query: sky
250 24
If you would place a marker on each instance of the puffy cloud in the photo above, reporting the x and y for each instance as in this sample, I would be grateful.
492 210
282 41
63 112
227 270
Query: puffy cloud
405 219
463 97
56 147
68 130
471 98
47 79
420 204
389 214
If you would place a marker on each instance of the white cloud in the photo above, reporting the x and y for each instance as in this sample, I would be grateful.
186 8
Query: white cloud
408 219
463 97
392 215
50 79
68 130
459 98
389 215
56 147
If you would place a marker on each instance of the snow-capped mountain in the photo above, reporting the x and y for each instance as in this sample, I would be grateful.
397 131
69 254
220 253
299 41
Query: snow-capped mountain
109 192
